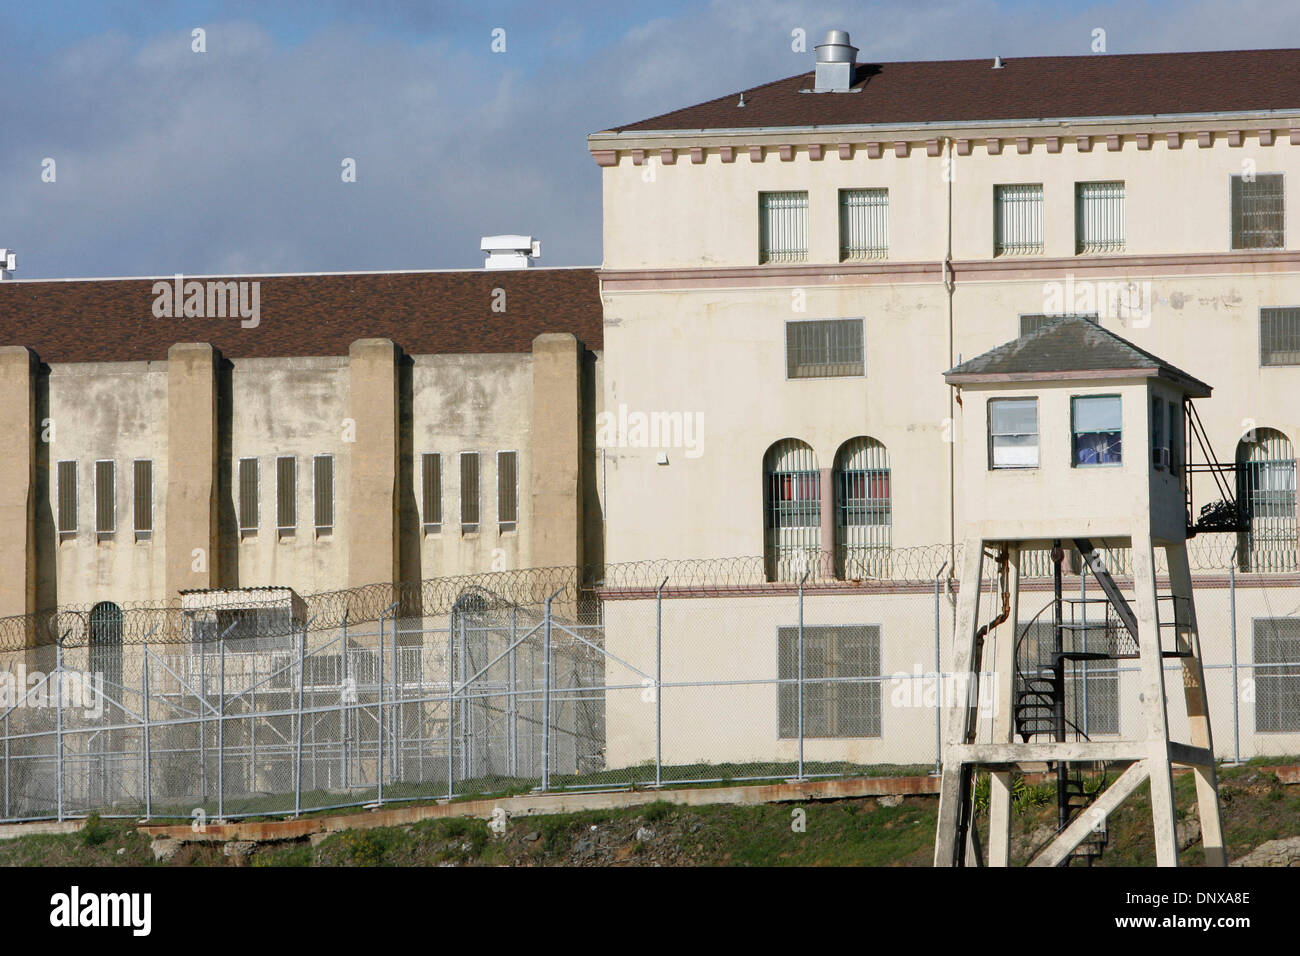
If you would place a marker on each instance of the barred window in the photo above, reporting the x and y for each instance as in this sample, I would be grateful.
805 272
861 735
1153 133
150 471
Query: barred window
864 223
1279 336
1013 433
468 492
791 510
143 500
67 497
286 495
323 492
824 348
431 492
1258 212
841 681
105 498
1266 486
1277 674
248 492
507 490
1032 322
783 227
1099 217
1018 219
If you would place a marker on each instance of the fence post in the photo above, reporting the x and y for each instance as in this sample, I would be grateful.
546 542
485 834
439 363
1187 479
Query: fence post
144 681
221 726
203 717
512 702
1236 683
58 725
396 713
546 697
343 702
659 683
379 761
938 677
302 682
457 619
800 672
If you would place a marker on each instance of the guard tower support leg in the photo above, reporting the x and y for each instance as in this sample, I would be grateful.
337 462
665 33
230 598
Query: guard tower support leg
1004 679
953 796
1198 709
1153 699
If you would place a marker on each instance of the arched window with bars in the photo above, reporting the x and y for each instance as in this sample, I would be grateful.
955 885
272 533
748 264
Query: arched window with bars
1266 488
863 509
791 510
106 646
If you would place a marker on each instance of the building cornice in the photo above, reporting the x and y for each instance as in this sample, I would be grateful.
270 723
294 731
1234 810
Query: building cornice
1024 136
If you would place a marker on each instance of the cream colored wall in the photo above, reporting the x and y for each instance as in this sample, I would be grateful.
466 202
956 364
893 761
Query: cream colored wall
473 403
691 215
118 411
293 407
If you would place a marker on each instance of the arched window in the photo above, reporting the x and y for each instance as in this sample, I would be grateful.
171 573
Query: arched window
106 645
863 512
791 510
1266 488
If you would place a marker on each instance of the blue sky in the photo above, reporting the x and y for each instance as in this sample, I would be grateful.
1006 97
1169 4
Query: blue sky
229 161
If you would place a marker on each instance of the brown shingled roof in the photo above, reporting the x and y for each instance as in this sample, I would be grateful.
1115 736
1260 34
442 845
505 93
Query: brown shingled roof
955 91
111 320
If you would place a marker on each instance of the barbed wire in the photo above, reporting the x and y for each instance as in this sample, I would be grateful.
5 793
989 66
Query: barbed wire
577 591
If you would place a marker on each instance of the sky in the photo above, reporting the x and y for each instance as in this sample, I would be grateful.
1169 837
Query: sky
230 161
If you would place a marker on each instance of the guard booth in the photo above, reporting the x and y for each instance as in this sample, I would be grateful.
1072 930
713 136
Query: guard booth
1073 438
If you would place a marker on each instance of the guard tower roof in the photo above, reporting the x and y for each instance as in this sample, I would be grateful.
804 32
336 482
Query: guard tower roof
1071 347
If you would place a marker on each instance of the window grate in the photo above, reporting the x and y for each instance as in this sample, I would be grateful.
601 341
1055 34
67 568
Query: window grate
792 504
1266 476
248 495
507 490
1258 212
1277 674
1018 219
864 223
1279 336
824 348
105 499
67 498
431 492
783 227
841 681
1099 217
286 495
323 493
469 492
863 509
143 500
1032 322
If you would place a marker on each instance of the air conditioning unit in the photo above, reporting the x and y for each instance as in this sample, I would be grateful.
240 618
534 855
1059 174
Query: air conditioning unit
1161 457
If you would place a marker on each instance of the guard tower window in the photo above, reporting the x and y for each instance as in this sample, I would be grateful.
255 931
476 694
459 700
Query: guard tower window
1097 432
1159 451
1013 433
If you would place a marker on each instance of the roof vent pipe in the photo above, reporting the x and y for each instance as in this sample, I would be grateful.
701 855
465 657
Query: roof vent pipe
997 63
8 263
836 59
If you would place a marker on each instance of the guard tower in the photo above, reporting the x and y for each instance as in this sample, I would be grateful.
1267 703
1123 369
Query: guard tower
1072 438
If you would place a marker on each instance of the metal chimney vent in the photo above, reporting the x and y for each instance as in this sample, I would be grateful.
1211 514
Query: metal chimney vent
836 59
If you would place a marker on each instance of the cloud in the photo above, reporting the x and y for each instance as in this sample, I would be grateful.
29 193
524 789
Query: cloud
173 161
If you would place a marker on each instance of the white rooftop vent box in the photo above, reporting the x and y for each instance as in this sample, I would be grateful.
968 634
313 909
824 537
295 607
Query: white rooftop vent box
8 262
510 252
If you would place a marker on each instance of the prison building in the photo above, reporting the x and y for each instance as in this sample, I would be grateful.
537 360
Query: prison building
356 428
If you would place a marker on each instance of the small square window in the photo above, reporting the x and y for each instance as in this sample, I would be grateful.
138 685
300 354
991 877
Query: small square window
1013 433
1097 430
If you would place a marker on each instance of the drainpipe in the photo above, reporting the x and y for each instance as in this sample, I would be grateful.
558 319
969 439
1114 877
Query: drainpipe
949 285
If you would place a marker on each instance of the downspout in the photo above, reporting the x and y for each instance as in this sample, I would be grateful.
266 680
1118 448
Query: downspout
949 285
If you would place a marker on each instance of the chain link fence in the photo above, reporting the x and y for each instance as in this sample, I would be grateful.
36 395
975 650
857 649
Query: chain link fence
654 674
